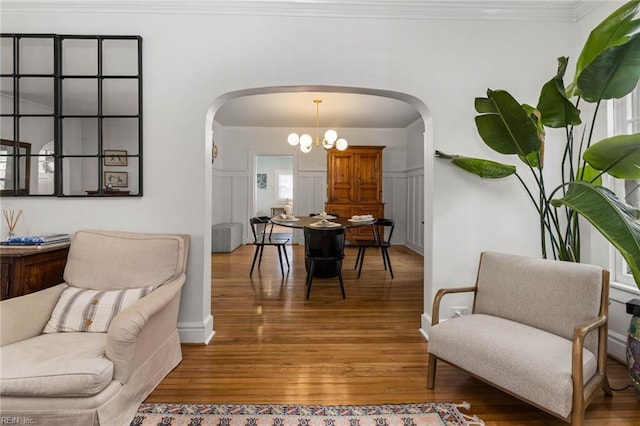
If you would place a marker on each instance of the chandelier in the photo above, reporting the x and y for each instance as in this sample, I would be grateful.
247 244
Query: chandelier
329 140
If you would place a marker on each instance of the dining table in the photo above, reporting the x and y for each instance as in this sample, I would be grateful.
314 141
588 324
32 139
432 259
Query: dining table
322 269
317 221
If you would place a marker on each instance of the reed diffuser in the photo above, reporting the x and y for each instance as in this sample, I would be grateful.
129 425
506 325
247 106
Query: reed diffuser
11 218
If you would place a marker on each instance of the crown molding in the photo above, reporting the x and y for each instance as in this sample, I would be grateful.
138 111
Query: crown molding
502 10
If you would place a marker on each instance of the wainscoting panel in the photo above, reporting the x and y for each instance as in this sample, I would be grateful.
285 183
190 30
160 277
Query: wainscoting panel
415 210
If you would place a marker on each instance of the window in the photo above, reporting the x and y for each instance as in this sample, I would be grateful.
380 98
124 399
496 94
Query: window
624 118
284 191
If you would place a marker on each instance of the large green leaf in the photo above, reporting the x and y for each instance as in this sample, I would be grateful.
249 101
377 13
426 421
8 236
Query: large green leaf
508 130
613 74
618 155
486 169
616 221
589 174
555 108
615 30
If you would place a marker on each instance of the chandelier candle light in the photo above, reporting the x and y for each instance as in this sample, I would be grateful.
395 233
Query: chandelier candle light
330 137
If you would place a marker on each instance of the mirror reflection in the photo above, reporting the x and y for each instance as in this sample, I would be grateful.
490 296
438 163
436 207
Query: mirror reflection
72 121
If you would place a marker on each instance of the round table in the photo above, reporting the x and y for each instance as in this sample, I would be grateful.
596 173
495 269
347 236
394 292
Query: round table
325 269
308 220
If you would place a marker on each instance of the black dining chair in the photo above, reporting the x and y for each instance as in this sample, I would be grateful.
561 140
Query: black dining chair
379 241
262 238
324 246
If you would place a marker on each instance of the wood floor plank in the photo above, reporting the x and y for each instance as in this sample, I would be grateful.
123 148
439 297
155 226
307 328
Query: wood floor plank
272 346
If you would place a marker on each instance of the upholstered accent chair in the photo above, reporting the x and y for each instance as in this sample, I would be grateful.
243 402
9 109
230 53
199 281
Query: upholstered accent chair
67 357
538 331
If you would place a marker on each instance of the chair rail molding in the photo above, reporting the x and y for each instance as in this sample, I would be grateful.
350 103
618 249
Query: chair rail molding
542 11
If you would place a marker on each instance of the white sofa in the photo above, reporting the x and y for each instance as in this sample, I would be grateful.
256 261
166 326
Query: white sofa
95 378
538 330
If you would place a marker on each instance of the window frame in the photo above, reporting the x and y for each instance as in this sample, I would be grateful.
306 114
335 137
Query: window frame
623 117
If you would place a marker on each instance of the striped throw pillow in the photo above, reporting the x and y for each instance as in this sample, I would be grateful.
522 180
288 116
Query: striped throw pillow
81 309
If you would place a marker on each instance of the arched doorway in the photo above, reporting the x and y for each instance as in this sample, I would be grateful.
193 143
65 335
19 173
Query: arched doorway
421 183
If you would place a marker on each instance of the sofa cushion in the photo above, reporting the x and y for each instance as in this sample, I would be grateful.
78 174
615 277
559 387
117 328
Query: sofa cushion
59 365
527 361
107 260
81 309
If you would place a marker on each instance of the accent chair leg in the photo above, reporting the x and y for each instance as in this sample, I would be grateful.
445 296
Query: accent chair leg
605 386
431 373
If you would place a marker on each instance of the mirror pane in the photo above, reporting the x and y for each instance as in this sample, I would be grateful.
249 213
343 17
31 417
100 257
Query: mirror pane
122 180
80 136
120 133
6 55
36 95
42 175
79 96
79 56
80 174
119 57
35 55
6 128
120 96
6 95
37 131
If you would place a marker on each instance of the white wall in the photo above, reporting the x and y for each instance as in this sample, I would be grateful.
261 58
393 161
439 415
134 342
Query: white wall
192 60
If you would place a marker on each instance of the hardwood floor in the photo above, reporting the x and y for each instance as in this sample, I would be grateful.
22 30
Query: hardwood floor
273 346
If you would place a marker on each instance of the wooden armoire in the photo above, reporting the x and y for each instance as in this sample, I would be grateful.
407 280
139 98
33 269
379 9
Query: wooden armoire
354 184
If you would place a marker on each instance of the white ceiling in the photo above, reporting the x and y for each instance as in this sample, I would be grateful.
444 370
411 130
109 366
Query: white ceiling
339 110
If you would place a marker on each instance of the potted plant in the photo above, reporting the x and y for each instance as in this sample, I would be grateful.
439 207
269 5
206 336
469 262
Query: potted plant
608 68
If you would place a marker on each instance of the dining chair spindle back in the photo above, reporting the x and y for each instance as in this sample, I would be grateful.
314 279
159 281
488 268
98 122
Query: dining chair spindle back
262 237
381 239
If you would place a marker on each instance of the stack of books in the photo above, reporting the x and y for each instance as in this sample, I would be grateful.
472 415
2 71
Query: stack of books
36 240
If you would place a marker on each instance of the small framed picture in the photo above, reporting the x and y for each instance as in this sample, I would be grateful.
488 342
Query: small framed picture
113 157
262 180
116 179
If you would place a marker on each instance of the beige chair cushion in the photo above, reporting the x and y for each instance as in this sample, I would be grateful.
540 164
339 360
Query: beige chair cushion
81 309
106 260
546 294
59 365
527 361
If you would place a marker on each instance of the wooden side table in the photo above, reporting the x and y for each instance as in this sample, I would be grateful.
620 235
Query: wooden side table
29 269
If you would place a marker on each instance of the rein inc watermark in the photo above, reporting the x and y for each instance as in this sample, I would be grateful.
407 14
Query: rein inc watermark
7 420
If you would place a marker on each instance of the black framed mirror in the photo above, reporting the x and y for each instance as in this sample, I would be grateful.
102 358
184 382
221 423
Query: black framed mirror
77 101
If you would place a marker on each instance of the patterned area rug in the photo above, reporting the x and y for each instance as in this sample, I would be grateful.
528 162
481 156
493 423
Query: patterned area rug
425 414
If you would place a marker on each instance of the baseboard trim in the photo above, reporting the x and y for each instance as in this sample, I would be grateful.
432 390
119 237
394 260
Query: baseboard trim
196 332
617 346
425 320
